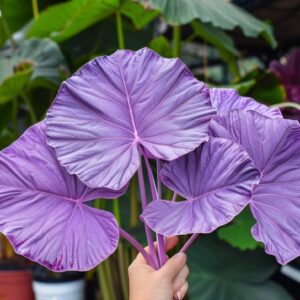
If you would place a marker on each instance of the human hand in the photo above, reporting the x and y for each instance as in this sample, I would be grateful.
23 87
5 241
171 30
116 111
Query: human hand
167 283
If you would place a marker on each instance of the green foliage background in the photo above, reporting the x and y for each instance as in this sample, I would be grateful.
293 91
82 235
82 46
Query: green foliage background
43 42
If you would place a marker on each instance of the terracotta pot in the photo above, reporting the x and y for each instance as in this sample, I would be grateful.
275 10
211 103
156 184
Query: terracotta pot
16 285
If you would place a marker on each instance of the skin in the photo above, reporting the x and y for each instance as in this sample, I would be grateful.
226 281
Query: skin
167 283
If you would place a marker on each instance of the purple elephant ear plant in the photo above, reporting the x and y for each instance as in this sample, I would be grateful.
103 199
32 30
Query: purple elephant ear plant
217 150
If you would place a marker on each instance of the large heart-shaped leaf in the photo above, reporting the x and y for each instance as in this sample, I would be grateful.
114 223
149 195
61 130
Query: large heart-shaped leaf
62 21
44 57
274 146
219 272
216 179
116 104
43 211
224 99
219 13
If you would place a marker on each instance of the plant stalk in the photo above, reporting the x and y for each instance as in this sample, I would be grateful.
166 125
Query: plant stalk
103 282
176 40
5 24
116 210
129 238
32 114
123 270
144 204
15 116
120 32
287 105
189 242
154 194
35 9
174 197
133 203
110 280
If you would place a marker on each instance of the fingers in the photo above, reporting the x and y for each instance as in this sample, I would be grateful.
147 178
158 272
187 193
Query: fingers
173 266
181 278
179 295
170 243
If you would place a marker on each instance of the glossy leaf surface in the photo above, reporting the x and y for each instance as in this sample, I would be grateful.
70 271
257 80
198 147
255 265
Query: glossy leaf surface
116 104
219 13
216 179
64 20
274 146
43 211
224 99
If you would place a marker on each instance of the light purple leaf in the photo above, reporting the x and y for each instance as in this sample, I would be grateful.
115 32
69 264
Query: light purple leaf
42 209
216 179
274 145
224 99
116 103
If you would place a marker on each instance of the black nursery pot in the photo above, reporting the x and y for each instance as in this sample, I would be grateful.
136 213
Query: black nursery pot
42 274
51 285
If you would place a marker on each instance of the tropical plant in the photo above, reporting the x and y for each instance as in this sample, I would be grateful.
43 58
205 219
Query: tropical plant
40 44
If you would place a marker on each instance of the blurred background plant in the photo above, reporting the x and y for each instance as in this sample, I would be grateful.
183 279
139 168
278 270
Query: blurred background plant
224 44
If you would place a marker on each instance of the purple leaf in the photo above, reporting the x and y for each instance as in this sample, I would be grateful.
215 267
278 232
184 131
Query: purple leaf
114 104
42 209
289 74
216 179
274 146
228 99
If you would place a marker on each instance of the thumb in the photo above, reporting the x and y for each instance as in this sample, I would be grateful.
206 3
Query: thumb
173 266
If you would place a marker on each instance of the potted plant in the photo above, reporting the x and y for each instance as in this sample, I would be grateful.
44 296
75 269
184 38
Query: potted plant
15 277
50 285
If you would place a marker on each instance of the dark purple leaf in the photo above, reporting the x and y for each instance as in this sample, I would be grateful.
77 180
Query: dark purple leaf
116 103
289 74
42 209
216 179
274 146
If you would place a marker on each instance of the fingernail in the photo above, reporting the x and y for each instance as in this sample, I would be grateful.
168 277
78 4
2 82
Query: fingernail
178 296
180 256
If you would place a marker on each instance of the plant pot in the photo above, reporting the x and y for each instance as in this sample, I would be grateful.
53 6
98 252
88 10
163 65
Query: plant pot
69 290
16 285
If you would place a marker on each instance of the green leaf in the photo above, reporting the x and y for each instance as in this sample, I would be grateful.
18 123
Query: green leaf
139 15
215 37
220 13
268 89
13 85
62 21
6 138
220 272
162 46
238 232
17 13
44 56
221 41
243 87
